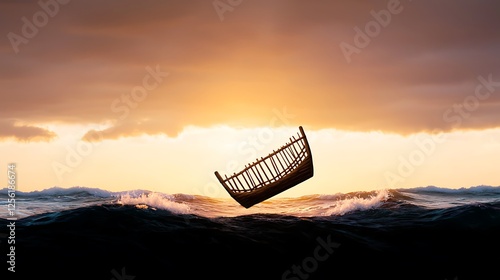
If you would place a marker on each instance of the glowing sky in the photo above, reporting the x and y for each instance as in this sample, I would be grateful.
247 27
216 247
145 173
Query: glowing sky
159 94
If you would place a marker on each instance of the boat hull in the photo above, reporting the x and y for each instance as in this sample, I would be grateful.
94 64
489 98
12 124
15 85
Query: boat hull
301 173
248 189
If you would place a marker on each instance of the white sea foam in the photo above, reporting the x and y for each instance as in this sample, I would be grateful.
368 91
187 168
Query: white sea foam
155 200
347 205
59 199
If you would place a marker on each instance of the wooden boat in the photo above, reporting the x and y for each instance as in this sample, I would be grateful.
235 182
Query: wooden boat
268 176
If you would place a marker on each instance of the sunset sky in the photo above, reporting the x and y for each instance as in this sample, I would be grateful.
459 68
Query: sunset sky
158 95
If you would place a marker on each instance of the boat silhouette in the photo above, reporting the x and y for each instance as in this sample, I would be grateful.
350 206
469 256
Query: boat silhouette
268 176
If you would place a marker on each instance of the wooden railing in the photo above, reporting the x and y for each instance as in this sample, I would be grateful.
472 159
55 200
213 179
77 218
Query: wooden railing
271 168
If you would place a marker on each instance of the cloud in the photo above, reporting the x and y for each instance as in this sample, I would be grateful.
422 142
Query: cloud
264 55
130 129
24 133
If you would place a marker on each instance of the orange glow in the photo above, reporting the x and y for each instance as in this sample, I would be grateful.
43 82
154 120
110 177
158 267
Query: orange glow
159 96
344 161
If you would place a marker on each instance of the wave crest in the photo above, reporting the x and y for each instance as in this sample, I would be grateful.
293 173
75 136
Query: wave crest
58 191
155 200
472 190
347 205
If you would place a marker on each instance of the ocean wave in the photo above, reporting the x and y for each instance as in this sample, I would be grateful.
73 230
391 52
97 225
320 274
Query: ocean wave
306 206
58 191
144 243
314 205
155 200
152 232
351 204
481 189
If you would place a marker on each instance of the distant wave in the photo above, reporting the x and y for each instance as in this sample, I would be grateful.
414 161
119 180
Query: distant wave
58 191
55 191
473 189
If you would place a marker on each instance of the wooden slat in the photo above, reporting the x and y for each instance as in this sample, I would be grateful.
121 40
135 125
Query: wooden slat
285 159
249 186
287 153
250 178
273 177
264 171
257 177
242 186
277 157
229 182
276 169
233 182
298 155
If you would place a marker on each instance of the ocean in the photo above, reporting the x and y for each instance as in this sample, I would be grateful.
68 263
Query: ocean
89 233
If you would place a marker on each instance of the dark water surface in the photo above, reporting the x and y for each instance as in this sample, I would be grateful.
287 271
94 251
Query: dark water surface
421 233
